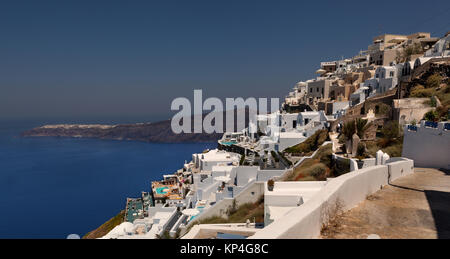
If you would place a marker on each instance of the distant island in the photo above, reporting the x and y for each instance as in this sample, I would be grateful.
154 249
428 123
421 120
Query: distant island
158 132
149 132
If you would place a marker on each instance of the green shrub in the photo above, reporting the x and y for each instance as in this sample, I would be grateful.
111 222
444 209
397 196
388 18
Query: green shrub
431 116
318 171
310 144
325 155
341 166
361 150
443 112
420 92
391 130
382 109
433 81
394 150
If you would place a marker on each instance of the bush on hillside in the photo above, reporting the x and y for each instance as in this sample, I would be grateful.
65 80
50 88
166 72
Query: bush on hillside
390 131
325 155
433 81
310 144
431 116
318 171
443 113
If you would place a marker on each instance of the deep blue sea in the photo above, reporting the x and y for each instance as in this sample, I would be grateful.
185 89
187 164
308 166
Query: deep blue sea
53 187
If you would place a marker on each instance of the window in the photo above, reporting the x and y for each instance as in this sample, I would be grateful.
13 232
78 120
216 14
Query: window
317 89
310 90
391 74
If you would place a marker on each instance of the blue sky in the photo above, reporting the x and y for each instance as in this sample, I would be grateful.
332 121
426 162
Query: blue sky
132 58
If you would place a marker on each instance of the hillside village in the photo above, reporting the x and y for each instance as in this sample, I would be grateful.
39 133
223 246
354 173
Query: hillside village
363 122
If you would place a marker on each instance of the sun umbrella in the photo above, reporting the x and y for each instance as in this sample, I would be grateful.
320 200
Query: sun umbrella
190 212
222 179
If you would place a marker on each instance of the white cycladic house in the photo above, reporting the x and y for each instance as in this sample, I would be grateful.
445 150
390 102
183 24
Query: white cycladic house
205 161
159 220
288 121
305 118
440 49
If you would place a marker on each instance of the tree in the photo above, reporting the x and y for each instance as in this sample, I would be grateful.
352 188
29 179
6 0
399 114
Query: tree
348 130
361 127
391 130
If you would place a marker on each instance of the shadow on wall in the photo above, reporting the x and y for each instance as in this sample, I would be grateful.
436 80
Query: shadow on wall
440 209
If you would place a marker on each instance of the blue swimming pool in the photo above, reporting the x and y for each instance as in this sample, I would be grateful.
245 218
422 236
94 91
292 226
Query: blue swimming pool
200 208
162 190
228 143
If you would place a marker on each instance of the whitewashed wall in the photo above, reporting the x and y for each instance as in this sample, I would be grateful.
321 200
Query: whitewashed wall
428 147
347 190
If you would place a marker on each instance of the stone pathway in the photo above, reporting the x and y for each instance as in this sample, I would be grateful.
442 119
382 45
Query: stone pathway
415 206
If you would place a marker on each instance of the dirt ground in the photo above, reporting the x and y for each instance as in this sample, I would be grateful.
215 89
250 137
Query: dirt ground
416 206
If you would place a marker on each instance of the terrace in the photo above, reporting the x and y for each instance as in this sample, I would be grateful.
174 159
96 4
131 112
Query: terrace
134 210
165 190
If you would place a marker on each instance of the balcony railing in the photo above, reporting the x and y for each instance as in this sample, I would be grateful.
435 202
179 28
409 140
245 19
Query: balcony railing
447 126
431 124
412 128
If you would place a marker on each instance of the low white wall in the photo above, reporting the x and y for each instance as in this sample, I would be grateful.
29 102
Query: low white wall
399 167
289 194
300 184
348 190
208 231
368 162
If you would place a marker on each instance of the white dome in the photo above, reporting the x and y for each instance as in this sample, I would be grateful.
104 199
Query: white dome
320 71
120 230
127 227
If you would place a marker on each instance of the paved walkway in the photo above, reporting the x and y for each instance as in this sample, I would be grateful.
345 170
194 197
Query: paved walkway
415 206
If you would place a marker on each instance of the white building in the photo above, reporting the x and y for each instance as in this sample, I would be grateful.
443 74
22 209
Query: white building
205 161
297 96
160 219
440 49
387 78
288 121
309 122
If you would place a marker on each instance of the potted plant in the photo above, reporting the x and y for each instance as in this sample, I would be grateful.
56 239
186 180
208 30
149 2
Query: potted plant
270 184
